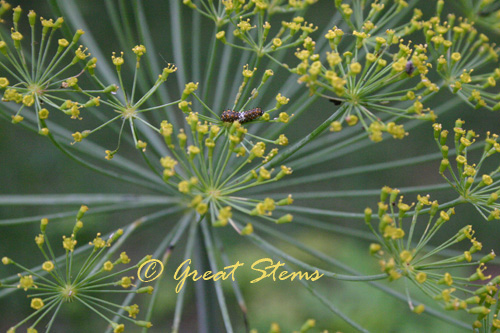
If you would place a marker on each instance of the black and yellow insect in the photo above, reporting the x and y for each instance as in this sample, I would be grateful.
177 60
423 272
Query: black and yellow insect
230 116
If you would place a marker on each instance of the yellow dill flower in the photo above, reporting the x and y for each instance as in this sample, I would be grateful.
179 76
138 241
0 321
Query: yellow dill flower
25 282
132 310
48 266
69 243
37 303
126 282
107 266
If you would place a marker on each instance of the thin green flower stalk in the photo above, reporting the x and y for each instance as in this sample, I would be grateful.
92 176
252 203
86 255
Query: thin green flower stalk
401 255
466 178
37 77
486 13
459 52
59 284
211 160
130 108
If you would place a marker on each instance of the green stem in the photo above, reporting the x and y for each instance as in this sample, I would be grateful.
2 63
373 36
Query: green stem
290 151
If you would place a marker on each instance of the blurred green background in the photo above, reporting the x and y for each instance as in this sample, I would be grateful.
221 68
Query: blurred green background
30 164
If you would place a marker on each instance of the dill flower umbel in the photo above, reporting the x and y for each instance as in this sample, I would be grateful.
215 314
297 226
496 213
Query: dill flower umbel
43 83
212 158
36 80
60 280
373 77
404 256
130 109
467 178
459 52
